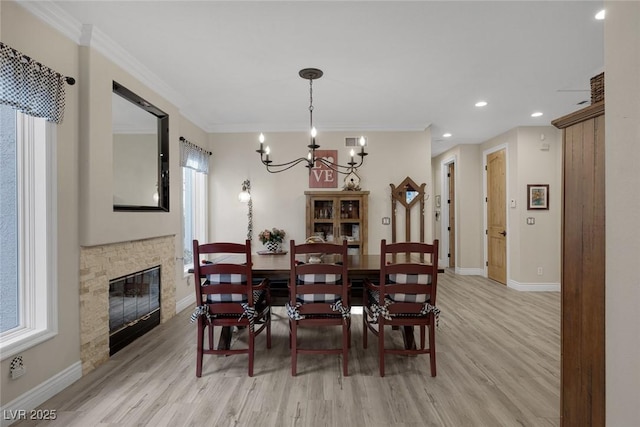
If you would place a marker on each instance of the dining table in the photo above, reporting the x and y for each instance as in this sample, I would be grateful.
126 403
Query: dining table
276 266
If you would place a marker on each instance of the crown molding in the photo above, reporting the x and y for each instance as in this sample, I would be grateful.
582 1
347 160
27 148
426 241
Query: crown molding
91 36
116 53
326 127
55 16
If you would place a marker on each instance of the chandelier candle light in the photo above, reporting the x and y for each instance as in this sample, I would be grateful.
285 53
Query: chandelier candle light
310 161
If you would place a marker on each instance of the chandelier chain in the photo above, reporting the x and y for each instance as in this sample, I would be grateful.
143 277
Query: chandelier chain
311 103
312 161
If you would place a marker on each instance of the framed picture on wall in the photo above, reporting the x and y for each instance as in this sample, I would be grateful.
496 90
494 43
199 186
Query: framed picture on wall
537 196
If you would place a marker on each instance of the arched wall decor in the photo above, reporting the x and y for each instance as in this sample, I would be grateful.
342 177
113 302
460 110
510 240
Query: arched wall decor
409 194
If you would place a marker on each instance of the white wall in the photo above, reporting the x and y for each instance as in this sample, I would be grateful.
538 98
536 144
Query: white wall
85 190
278 199
99 224
529 247
468 206
539 244
622 157
22 31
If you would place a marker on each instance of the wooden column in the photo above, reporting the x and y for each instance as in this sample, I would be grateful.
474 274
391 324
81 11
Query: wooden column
583 268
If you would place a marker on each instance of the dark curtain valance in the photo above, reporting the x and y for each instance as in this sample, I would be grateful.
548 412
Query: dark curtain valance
193 156
30 86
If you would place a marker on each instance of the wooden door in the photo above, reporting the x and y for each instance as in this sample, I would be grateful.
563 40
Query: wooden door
452 215
497 217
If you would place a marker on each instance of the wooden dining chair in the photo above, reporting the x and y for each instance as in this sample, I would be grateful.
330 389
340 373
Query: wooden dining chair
404 297
319 297
227 297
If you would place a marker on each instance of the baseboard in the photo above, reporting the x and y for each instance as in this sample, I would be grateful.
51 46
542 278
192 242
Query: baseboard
15 410
185 303
534 287
469 271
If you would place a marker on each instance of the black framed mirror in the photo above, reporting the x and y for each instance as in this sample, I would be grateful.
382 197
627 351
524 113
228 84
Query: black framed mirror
140 153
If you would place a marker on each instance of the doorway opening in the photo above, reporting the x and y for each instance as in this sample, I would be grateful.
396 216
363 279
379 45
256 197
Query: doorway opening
449 218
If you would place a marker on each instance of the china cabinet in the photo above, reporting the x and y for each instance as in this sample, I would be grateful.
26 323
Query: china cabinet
337 216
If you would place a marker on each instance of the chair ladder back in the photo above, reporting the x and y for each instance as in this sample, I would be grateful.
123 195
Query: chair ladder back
225 298
319 297
340 287
418 275
203 271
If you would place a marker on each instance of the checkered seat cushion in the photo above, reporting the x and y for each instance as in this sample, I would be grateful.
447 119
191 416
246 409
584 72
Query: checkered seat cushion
333 279
421 279
240 279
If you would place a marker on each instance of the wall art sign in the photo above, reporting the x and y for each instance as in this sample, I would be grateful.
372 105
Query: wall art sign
321 175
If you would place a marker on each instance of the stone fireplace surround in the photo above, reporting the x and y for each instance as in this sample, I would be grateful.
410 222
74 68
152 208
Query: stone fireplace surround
98 265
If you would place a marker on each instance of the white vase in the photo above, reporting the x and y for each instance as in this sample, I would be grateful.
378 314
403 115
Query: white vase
272 246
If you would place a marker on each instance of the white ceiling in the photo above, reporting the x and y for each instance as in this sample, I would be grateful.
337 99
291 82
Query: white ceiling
389 65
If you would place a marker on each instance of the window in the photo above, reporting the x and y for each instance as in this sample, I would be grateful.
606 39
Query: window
28 231
194 211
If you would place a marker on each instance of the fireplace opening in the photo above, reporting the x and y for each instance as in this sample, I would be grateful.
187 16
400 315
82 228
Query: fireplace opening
134 307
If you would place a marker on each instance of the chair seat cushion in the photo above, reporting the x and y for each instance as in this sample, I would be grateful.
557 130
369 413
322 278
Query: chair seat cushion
305 279
330 279
258 296
341 311
421 279
420 298
376 310
217 279
309 298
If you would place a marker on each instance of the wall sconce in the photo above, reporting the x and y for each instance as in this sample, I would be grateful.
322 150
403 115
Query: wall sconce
245 197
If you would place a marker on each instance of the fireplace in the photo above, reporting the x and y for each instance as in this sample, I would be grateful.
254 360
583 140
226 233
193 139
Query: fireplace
134 307
101 264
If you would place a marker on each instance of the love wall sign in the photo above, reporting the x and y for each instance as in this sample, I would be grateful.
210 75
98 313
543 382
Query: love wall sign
321 176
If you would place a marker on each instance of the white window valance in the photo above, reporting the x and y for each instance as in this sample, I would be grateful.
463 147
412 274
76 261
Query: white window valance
193 156
30 87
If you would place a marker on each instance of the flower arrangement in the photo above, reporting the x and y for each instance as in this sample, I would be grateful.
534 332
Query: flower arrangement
273 235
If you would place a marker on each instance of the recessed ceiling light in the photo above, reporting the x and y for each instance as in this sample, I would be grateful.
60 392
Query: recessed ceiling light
536 114
481 103
600 15
446 135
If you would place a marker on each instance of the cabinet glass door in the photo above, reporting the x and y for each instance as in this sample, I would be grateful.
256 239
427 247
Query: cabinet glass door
323 209
349 209
323 219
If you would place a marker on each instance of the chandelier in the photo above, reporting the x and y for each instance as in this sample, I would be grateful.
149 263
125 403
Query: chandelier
311 160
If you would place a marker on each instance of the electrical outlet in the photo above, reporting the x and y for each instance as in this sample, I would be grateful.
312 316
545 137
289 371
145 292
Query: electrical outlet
386 220
17 368
18 372
539 271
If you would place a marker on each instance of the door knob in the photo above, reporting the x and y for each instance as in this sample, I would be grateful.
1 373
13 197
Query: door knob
504 233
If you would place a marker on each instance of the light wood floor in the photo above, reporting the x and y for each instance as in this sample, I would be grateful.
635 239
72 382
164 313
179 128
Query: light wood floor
498 360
